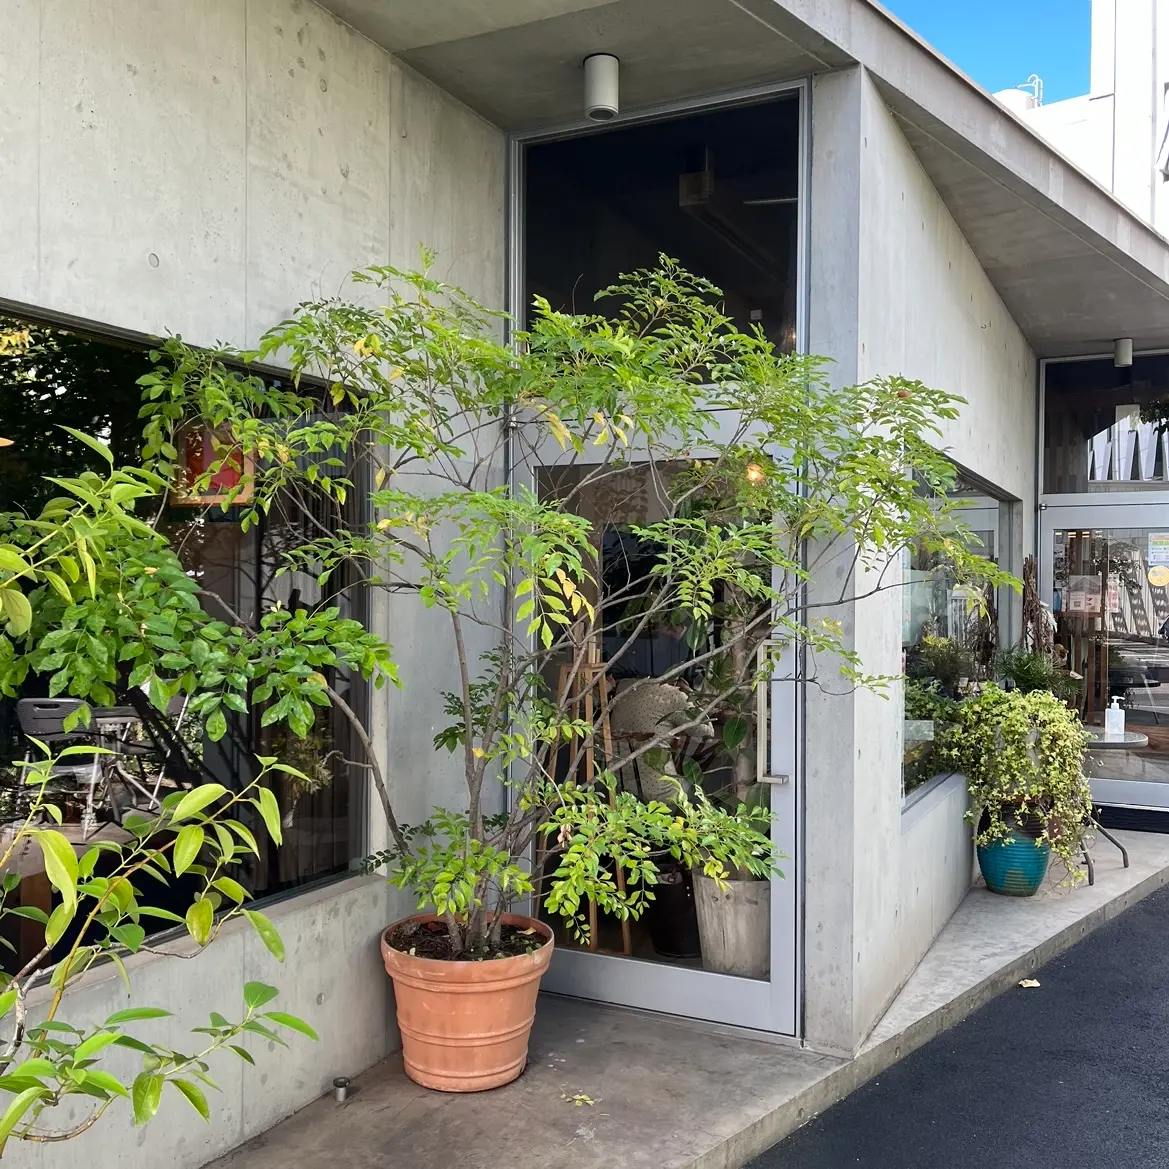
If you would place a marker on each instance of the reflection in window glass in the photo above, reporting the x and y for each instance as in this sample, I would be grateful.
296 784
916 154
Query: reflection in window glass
1111 601
950 631
1106 428
52 377
716 191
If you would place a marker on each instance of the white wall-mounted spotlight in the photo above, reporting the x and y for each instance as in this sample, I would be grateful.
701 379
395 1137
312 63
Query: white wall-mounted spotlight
602 87
1122 352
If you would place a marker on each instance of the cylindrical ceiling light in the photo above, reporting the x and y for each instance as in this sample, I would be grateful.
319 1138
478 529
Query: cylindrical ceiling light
602 85
1122 352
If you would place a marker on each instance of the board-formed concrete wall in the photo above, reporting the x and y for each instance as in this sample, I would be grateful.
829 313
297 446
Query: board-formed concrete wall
200 168
331 976
894 289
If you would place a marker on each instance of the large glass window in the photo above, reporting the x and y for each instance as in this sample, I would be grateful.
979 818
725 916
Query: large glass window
715 191
1106 428
951 631
51 377
718 192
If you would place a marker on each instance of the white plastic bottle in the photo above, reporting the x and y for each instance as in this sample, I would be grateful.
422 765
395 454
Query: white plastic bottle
1114 721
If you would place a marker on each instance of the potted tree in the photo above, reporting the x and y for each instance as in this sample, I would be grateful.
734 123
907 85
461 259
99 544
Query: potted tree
1022 755
527 493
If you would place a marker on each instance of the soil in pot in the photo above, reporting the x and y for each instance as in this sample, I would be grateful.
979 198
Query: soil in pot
1015 867
429 939
465 1023
671 917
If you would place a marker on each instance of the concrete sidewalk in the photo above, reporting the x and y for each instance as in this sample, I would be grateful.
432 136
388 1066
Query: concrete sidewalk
607 1087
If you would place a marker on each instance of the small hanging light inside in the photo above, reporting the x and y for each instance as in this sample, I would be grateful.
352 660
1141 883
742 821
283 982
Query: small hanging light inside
755 474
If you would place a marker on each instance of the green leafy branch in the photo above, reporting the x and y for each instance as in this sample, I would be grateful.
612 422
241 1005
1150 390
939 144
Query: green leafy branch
99 896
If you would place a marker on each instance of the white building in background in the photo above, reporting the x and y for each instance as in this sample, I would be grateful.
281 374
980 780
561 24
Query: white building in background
1118 131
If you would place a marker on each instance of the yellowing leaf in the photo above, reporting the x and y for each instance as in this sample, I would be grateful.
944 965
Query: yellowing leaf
17 609
60 586
200 918
89 566
270 811
60 863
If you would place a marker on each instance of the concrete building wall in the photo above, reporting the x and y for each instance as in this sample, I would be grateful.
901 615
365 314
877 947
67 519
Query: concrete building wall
937 865
831 744
927 311
202 168
894 289
331 976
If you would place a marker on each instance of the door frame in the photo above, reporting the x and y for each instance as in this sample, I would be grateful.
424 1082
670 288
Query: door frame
774 1006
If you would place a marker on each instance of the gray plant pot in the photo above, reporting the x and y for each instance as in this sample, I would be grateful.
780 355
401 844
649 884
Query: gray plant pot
734 926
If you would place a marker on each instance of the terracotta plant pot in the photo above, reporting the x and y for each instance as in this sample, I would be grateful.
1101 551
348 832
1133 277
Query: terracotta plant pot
465 1025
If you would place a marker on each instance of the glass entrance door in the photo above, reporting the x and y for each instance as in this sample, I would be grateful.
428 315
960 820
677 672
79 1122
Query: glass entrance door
655 677
721 190
1106 577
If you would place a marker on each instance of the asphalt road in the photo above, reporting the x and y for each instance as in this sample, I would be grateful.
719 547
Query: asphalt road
1072 1075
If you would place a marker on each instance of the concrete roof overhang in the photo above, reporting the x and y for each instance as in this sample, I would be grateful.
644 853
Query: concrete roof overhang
1074 267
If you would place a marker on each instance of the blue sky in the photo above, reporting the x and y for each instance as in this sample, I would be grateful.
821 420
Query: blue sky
1001 42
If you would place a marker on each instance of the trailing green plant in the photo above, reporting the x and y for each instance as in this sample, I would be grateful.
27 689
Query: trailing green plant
105 910
924 700
1022 755
1032 670
96 601
415 407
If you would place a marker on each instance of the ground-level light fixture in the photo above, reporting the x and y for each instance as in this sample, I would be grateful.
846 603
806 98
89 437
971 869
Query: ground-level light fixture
1122 352
602 87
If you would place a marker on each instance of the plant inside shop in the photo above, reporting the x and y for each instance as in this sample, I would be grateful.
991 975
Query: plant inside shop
944 663
595 512
1029 669
1022 755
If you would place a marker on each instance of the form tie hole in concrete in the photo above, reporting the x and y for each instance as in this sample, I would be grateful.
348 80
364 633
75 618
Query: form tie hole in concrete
152 260
324 85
